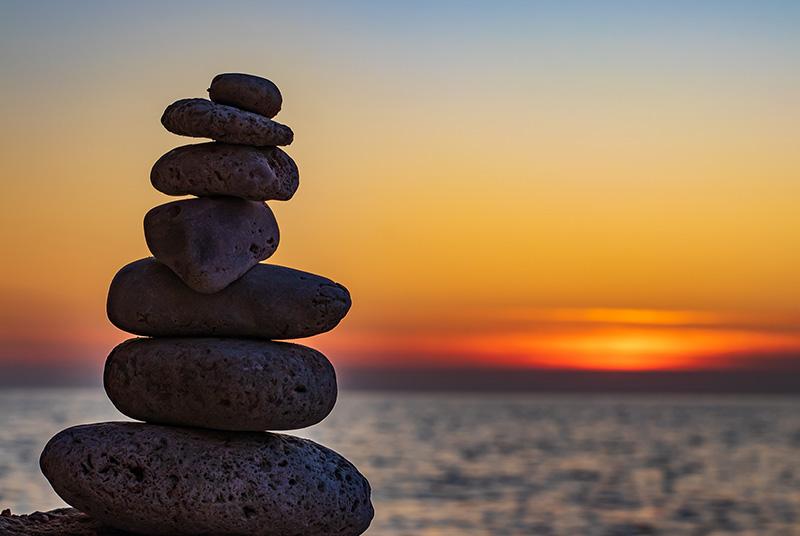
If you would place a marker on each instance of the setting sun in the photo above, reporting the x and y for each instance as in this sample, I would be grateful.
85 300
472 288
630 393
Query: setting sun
586 339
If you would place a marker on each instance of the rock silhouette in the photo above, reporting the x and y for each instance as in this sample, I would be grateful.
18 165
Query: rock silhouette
212 168
267 302
209 380
169 480
201 118
210 243
225 384
247 92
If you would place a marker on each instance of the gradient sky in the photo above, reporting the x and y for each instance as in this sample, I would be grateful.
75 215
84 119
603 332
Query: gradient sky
593 185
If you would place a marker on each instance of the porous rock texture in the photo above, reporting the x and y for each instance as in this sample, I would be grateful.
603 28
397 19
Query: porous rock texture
201 118
211 242
268 302
213 168
182 481
224 384
60 522
247 92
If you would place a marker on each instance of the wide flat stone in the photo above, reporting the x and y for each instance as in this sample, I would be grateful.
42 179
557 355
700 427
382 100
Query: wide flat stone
211 242
186 481
225 384
213 168
60 522
247 92
201 118
268 302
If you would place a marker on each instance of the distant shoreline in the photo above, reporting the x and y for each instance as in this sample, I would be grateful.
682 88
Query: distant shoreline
571 381
736 382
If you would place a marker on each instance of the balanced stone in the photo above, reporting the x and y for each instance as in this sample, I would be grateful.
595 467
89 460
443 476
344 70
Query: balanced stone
201 118
213 168
269 302
247 92
225 384
211 242
155 479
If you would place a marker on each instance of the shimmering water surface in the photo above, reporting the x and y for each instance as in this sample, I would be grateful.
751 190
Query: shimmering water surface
462 465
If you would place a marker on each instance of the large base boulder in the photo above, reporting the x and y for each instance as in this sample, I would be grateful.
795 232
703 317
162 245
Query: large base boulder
182 481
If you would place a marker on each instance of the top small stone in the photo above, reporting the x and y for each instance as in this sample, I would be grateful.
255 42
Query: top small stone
246 92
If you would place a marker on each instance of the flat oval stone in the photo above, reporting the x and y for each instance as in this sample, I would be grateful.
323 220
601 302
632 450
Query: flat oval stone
225 384
201 118
213 168
268 302
152 479
211 242
247 92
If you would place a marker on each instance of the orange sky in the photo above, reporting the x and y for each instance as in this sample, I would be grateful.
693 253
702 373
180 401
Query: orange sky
597 188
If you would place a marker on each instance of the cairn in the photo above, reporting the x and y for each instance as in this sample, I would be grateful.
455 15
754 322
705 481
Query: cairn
206 377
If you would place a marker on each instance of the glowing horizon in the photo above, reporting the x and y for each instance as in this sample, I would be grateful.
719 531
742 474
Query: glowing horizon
547 186
588 339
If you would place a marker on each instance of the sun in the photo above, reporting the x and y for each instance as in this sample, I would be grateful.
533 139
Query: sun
622 350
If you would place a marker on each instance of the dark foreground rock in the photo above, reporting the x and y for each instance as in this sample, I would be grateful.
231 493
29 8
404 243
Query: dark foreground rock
181 481
201 118
225 384
210 243
248 92
268 302
213 168
61 522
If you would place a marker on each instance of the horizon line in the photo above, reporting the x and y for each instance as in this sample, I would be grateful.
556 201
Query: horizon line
491 380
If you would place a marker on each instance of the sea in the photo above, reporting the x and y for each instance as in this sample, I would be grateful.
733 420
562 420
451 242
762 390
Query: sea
462 464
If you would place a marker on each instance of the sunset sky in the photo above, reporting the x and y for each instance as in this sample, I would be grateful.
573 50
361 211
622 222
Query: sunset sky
590 185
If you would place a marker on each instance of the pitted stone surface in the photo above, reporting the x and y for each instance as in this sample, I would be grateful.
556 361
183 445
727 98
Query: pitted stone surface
225 384
60 522
268 302
247 92
211 242
183 481
201 118
213 168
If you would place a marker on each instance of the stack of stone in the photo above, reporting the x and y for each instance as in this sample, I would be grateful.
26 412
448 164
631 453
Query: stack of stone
207 377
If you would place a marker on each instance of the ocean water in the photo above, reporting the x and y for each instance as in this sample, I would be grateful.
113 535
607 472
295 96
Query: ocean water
513 465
